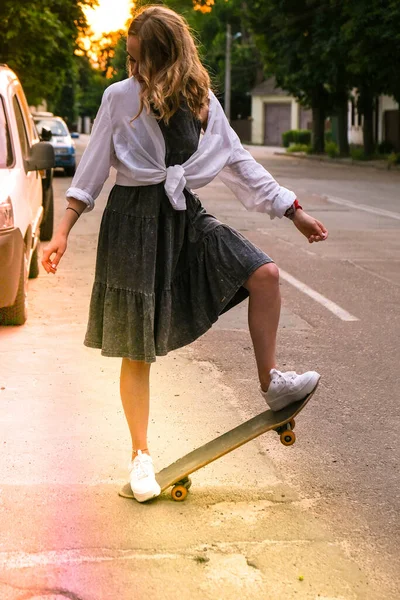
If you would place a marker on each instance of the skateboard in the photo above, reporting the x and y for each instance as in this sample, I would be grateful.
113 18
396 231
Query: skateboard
177 474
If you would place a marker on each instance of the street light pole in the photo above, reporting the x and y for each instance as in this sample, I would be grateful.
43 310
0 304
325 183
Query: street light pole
227 100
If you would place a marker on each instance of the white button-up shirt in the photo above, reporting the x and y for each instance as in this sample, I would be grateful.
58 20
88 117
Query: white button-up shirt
137 151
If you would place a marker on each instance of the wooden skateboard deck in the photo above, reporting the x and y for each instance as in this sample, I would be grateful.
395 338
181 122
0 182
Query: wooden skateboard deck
177 474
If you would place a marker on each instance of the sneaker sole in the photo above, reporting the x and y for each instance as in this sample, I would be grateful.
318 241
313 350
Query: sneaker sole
148 495
279 405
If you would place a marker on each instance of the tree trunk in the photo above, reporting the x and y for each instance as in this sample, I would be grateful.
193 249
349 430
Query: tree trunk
343 134
368 132
318 128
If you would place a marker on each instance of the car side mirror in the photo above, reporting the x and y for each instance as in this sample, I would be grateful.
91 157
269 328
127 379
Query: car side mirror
46 135
74 134
41 157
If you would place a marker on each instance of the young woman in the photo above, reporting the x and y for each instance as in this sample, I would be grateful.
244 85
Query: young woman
166 269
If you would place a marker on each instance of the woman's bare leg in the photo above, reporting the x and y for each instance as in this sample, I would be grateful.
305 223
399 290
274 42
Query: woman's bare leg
264 312
135 396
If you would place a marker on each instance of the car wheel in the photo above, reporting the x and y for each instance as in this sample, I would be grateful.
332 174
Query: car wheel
17 313
70 171
46 226
34 266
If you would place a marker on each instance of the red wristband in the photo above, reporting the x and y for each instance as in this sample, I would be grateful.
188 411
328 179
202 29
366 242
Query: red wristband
297 205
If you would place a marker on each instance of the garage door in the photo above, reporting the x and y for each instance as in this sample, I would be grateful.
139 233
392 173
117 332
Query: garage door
277 121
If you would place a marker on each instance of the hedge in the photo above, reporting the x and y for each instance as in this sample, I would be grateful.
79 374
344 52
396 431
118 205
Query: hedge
296 136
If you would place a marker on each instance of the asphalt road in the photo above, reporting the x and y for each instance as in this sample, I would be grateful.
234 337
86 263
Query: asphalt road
351 459
255 518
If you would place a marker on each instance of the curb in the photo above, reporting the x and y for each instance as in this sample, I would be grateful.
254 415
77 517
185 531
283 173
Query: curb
340 161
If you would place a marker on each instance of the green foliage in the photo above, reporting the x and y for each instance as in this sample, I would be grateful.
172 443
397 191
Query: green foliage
358 153
65 103
319 50
118 62
302 47
296 136
293 36
373 33
332 150
38 41
393 159
210 31
299 148
90 87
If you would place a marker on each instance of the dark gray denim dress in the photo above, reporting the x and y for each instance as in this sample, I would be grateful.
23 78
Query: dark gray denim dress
164 276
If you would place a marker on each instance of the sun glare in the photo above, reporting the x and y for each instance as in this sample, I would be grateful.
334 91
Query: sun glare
109 15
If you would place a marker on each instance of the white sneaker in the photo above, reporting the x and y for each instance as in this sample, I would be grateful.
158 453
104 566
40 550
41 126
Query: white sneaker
142 478
289 387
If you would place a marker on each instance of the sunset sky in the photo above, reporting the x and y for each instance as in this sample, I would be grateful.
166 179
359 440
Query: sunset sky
110 15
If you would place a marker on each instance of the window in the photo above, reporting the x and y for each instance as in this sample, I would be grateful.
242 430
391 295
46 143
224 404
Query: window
6 152
21 128
56 127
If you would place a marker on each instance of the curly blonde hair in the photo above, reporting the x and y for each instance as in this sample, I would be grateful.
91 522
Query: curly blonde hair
169 66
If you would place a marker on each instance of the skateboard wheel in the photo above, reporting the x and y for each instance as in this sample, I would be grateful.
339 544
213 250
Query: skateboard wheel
179 493
288 438
292 423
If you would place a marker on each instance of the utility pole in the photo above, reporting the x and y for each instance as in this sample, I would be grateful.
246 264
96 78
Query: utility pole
227 99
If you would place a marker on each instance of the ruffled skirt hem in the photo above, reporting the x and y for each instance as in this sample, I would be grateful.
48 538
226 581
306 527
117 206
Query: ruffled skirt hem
179 273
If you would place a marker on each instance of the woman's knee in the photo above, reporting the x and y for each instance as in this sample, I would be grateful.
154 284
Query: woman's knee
137 366
266 275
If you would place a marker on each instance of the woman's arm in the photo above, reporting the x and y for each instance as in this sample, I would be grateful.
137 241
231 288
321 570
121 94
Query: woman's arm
253 185
92 172
94 166
258 191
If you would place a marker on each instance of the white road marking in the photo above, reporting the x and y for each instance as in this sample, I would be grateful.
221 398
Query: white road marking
334 308
370 209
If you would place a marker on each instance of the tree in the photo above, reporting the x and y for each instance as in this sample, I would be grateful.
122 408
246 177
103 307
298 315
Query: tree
38 41
64 104
209 21
373 34
300 47
118 61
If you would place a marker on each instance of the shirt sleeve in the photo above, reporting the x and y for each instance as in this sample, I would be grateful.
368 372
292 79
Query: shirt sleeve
253 185
94 166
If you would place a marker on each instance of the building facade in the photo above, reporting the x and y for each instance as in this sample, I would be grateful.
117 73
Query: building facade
273 112
386 123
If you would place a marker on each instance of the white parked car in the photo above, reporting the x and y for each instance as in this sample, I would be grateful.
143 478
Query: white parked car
24 160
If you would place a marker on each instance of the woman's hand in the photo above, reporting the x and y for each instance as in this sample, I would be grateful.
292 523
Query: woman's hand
310 227
54 251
